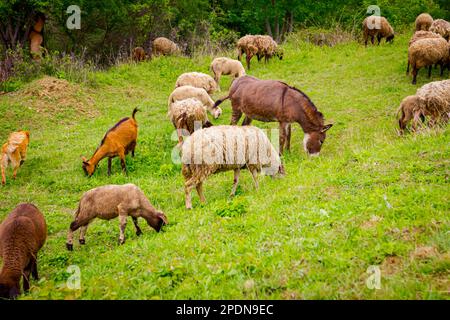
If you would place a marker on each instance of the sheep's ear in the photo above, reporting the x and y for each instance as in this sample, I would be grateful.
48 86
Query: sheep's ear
163 217
326 128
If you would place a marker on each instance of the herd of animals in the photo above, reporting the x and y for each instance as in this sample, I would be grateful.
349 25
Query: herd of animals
24 230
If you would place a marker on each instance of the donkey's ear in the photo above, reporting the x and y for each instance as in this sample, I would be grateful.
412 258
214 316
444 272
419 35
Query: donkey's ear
326 128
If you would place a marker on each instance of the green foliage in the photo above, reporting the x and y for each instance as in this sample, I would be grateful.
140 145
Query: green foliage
232 208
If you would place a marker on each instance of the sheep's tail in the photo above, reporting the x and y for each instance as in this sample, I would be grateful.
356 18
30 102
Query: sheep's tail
219 102
134 112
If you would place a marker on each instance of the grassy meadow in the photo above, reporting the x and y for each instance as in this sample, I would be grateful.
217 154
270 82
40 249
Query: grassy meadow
372 198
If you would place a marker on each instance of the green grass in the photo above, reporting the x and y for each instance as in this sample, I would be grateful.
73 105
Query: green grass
306 236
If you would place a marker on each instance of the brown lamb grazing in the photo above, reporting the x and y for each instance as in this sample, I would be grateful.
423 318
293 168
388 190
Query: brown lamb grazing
139 54
426 53
441 27
372 30
165 47
423 22
118 141
22 235
432 101
226 66
14 152
112 201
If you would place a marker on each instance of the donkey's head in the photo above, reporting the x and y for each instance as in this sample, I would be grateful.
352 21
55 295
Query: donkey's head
313 141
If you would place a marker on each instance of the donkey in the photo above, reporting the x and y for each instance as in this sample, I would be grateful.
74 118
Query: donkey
269 101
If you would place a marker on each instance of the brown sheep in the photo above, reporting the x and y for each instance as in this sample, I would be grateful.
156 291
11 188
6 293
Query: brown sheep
14 152
22 235
372 30
247 45
226 66
423 35
423 22
165 47
441 27
118 141
112 201
139 54
426 53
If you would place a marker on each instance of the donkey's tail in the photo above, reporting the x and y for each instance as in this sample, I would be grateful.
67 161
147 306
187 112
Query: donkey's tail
219 102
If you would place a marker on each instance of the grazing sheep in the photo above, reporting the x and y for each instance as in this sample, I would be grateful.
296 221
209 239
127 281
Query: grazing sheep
441 27
184 115
198 80
267 47
139 54
370 29
423 35
165 47
423 22
426 53
118 141
432 100
14 152
242 44
22 235
224 148
111 201
200 94
226 66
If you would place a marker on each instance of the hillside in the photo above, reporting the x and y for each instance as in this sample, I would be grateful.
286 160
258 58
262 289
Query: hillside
371 198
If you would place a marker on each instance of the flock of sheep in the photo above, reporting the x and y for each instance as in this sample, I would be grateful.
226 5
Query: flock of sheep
24 230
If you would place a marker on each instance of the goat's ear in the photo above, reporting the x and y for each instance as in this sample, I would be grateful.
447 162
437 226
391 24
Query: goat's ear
326 128
84 159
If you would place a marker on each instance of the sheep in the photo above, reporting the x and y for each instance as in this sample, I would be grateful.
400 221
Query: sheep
165 47
222 148
423 22
432 100
118 141
247 45
111 201
441 27
14 152
226 66
423 35
426 53
139 54
267 47
200 94
185 114
198 80
372 29
22 235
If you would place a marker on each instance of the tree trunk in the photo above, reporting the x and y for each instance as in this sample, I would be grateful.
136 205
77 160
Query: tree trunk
268 27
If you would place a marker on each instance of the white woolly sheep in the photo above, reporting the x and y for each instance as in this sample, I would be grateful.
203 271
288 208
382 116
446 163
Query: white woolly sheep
441 27
111 201
226 66
426 53
423 22
198 80
224 148
379 27
165 47
200 94
185 114
432 100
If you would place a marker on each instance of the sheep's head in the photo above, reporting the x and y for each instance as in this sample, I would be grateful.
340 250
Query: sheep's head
313 141
157 220
9 291
407 110
88 168
390 38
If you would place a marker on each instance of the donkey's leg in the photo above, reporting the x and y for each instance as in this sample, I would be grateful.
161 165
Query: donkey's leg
235 182
288 137
247 121
235 116
282 136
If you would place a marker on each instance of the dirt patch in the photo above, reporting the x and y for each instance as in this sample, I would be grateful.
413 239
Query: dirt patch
51 96
372 223
425 253
391 265
290 295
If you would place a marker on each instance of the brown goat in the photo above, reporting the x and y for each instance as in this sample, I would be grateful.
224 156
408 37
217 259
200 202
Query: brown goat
118 141
22 235
14 152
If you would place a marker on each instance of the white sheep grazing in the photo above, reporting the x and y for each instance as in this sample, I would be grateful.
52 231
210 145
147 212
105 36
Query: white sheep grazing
111 201
186 115
224 148
226 66
198 80
200 94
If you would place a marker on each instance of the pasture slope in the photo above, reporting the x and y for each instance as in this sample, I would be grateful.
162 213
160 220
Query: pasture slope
371 198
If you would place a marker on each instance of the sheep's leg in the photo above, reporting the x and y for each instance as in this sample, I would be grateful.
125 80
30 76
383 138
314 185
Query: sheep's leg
372 39
247 121
414 72
180 137
83 230
407 69
254 173
430 68
235 182
235 116
187 191
26 277
199 188
138 230
248 58
122 226
442 69
379 39
34 270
